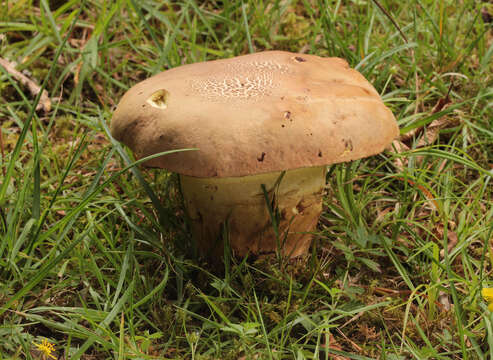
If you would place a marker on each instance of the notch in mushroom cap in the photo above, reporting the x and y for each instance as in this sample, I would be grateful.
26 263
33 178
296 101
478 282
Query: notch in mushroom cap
256 113
255 119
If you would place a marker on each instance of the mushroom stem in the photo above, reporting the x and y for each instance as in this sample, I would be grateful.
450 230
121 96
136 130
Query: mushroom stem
240 202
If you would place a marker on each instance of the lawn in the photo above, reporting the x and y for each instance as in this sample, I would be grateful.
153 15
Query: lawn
96 255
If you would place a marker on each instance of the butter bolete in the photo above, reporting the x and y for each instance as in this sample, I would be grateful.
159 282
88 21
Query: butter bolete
273 118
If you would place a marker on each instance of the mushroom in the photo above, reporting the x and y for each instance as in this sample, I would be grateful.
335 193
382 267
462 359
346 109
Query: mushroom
264 124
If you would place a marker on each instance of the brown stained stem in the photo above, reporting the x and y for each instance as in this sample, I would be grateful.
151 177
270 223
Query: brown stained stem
34 89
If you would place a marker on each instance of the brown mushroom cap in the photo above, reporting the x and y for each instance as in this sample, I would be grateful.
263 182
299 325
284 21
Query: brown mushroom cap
253 114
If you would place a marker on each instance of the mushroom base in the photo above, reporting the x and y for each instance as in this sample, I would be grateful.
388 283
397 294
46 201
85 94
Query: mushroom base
236 208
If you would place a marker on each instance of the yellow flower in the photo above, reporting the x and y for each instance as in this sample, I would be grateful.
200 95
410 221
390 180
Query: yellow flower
488 296
46 348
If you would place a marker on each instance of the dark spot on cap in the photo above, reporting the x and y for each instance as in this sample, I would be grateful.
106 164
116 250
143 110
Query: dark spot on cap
261 157
287 115
319 153
299 59
300 207
348 144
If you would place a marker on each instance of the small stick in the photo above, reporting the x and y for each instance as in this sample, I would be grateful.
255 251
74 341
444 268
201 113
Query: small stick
391 19
34 89
416 79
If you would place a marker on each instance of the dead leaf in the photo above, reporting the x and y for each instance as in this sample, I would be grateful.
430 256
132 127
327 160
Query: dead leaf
442 102
444 300
334 345
452 239
431 130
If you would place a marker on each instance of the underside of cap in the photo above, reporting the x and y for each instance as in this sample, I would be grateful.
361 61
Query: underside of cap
253 114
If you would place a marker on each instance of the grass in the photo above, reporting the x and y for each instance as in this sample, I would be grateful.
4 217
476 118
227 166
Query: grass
93 250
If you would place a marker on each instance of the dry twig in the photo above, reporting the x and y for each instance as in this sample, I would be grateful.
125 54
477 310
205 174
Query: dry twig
34 89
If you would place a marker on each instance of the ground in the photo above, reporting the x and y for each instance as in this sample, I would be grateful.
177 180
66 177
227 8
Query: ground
96 257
